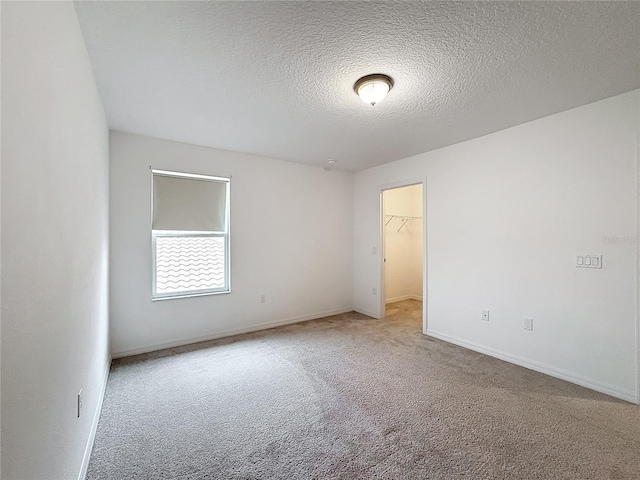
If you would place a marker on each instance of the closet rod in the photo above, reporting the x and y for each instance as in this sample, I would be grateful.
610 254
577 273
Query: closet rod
404 219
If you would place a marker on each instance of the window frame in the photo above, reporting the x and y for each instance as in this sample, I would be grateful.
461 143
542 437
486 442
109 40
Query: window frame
191 234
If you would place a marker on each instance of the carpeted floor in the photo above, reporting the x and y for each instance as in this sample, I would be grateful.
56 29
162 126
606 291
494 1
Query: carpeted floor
349 397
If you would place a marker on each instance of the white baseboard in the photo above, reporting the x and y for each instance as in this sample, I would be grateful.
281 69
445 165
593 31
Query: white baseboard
614 391
94 425
365 312
401 298
228 333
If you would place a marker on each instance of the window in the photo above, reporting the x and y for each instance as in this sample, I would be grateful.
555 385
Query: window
189 234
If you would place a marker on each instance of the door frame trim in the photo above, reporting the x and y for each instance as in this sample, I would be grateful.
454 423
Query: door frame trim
381 267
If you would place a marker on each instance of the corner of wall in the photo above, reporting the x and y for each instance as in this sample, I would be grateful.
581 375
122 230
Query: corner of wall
94 424
637 289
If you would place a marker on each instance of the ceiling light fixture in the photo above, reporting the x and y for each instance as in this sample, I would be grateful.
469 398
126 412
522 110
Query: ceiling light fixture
373 88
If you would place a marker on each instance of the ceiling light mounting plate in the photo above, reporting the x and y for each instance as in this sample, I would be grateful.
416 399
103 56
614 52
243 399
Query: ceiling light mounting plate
373 88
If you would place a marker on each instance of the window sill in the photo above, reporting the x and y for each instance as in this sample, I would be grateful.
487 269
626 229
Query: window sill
189 295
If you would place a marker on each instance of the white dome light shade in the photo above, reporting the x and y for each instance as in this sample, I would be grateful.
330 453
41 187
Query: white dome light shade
373 88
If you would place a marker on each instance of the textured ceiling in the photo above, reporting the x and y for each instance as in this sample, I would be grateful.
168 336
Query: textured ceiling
276 78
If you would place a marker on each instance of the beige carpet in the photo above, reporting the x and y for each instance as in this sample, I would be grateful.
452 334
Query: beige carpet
350 397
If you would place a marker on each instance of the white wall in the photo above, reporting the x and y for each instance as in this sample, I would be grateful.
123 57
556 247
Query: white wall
506 216
54 242
403 244
291 232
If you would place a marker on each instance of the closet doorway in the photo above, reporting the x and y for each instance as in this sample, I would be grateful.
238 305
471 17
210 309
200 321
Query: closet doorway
402 253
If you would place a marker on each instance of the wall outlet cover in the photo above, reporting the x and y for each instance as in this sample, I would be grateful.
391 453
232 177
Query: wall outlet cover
528 323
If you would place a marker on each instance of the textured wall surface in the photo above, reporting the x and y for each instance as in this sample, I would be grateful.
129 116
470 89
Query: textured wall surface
276 78
291 233
54 242
507 214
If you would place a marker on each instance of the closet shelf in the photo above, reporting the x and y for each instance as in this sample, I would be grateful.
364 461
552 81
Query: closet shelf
404 218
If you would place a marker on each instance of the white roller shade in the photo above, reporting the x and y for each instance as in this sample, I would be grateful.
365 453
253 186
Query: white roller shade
189 204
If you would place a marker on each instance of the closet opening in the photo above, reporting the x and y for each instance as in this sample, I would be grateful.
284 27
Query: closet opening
403 248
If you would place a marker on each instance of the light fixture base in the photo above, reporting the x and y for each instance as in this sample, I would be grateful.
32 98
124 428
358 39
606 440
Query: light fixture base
373 88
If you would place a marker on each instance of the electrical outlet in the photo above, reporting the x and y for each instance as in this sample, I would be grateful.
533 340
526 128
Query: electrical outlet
263 298
485 315
528 323
375 291
79 404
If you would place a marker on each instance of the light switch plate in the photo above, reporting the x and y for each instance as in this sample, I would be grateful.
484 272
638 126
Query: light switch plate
589 261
